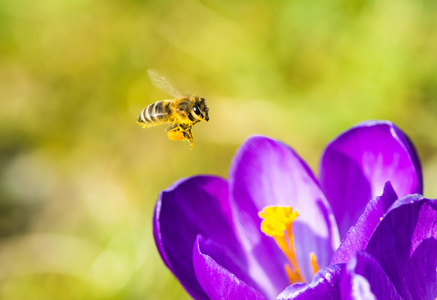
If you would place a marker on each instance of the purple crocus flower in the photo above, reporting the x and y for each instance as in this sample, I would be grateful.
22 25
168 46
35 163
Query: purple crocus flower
390 254
208 229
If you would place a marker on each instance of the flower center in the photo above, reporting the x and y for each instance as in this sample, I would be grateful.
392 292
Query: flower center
278 224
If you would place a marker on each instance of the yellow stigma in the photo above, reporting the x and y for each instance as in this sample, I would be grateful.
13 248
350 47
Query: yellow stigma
277 220
277 223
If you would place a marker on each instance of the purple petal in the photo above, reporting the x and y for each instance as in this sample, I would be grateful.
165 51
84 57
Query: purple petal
357 164
405 245
325 286
266 172
219 274
189 207
363 278
359 235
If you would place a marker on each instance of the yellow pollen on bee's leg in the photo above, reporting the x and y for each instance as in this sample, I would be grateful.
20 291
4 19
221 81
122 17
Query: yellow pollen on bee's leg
278 224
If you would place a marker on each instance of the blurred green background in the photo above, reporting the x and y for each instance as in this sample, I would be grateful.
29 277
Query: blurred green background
79 178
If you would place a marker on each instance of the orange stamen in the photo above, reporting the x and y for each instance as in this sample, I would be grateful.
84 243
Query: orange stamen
314 263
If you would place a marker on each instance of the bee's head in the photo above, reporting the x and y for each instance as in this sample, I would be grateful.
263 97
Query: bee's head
200 110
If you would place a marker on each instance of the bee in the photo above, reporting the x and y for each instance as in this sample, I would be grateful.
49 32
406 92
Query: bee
182 111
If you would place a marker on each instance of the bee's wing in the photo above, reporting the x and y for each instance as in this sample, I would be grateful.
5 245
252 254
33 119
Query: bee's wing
163 83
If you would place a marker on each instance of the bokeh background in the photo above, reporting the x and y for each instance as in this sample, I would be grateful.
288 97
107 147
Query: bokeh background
79 178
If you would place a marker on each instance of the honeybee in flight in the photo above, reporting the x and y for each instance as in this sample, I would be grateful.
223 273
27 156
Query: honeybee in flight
182 111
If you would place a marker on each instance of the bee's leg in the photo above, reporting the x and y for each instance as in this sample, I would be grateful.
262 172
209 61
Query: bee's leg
189 137
175 132
175 127
179 132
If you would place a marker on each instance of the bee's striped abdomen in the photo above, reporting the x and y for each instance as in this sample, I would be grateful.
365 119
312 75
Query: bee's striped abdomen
156 113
